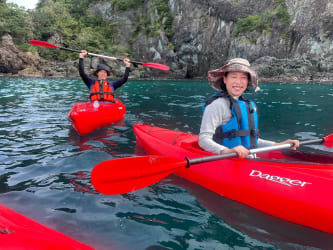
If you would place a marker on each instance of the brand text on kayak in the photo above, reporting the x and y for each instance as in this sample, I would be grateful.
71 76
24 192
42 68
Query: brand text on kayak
282 180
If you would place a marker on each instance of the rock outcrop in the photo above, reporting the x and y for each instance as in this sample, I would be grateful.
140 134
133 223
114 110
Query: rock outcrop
294 41
15 62
296 44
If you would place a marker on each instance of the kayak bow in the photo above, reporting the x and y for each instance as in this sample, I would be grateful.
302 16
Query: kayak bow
20 232
87 117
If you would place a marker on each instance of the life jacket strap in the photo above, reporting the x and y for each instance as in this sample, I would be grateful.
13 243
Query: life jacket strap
98 93
214 97
102 93
252 132
235 133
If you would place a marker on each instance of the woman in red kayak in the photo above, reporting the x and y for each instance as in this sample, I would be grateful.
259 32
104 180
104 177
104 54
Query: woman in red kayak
230 122
100 88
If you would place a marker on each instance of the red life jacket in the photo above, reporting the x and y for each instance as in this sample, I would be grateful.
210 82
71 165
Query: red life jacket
101 91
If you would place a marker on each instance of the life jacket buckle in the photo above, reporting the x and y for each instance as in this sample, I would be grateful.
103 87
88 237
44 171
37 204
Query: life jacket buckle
232 134
254 132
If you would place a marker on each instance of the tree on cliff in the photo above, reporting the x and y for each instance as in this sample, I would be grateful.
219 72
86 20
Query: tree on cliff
16 22
69 23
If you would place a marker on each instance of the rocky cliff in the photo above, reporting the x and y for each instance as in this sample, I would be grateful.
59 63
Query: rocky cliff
282 39
295 45
15 62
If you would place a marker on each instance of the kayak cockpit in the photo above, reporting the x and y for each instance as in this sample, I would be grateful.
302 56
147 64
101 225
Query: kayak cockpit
284 155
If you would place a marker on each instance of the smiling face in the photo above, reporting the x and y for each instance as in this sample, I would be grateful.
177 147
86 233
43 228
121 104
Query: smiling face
102 74
236 82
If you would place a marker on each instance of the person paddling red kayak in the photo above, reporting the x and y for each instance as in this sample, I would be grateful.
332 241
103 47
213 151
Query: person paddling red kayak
230 122
101 89
103 108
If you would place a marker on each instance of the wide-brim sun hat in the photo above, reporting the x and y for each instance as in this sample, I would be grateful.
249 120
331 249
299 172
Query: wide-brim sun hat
215 77
102 67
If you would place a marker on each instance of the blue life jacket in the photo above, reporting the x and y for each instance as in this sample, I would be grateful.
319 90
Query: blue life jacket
242 129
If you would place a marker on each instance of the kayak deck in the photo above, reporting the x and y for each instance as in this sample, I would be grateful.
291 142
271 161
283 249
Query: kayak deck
276 184
20 232
86 117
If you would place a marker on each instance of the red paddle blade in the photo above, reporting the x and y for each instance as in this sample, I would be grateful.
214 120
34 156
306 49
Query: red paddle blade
156 66
328 141
43 44
125 175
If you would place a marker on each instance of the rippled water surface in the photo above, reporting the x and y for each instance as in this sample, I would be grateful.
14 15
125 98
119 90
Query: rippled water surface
45 166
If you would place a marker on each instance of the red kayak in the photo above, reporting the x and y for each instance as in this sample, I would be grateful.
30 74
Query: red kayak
87 117
295 186
20 232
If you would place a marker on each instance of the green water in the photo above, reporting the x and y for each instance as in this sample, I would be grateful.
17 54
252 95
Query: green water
45 166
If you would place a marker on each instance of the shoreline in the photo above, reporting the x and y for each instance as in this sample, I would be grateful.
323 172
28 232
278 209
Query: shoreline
290 80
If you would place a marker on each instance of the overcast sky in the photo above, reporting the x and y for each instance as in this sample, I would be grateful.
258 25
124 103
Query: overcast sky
28 4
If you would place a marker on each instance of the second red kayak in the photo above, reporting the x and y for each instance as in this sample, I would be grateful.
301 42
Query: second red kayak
288 187
87 117
20 232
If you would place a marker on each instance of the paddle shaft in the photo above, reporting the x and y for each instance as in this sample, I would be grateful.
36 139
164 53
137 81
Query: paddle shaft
251 151
50 45
97 55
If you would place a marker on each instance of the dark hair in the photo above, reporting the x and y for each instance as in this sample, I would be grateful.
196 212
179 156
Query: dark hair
224 87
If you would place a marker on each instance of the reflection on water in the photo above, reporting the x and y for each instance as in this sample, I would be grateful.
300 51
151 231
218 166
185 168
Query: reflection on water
253 223
106 138
45 165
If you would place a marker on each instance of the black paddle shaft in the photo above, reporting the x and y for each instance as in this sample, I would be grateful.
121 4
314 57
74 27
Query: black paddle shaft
72 50
252 151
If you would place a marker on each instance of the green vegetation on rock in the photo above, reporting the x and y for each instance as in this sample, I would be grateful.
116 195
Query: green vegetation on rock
14 21
75 24
263 23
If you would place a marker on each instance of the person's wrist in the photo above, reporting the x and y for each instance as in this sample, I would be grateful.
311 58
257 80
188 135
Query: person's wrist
226 150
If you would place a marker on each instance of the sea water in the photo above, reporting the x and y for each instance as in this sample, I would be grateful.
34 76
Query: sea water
45 165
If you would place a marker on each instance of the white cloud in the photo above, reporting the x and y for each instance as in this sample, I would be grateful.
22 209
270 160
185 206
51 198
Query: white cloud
28 4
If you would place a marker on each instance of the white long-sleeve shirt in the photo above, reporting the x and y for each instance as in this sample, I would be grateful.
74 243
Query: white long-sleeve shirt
216 114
